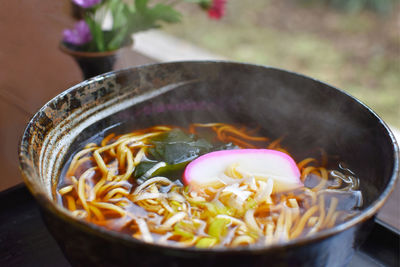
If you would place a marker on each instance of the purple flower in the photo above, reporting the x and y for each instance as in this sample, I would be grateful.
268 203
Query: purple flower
86 3
79 35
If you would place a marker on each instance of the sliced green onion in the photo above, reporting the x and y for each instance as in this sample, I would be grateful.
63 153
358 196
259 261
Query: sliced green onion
185 229
182 232
215 209
250 204
218 228
206 242
253 235
176 205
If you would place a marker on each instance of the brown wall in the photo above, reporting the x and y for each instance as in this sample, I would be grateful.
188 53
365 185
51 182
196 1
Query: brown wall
32 69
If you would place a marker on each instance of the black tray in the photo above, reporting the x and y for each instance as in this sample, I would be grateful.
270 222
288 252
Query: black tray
25 241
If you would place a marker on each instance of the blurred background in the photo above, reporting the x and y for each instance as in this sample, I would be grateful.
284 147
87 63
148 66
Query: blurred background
351 44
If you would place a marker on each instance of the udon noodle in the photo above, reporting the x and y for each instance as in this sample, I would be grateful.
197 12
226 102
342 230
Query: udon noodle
102 186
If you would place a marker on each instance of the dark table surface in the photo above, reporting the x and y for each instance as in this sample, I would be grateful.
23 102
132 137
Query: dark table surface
25 241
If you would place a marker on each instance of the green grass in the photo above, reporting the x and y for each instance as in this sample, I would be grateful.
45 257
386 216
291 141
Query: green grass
373 77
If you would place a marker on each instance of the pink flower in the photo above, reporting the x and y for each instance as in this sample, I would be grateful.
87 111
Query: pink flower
86 3
217 9
79 35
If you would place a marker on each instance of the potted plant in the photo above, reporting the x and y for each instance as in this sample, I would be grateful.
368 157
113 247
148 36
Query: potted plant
108 25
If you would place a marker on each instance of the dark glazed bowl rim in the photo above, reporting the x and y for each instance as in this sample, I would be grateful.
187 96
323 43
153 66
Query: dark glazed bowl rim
56 210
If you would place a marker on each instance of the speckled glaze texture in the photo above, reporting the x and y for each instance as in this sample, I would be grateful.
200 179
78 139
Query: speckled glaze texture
309 114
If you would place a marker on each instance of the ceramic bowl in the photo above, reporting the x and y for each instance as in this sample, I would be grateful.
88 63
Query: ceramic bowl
309 114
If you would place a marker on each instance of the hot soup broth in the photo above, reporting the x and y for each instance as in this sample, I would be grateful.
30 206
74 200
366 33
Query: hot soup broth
211 185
